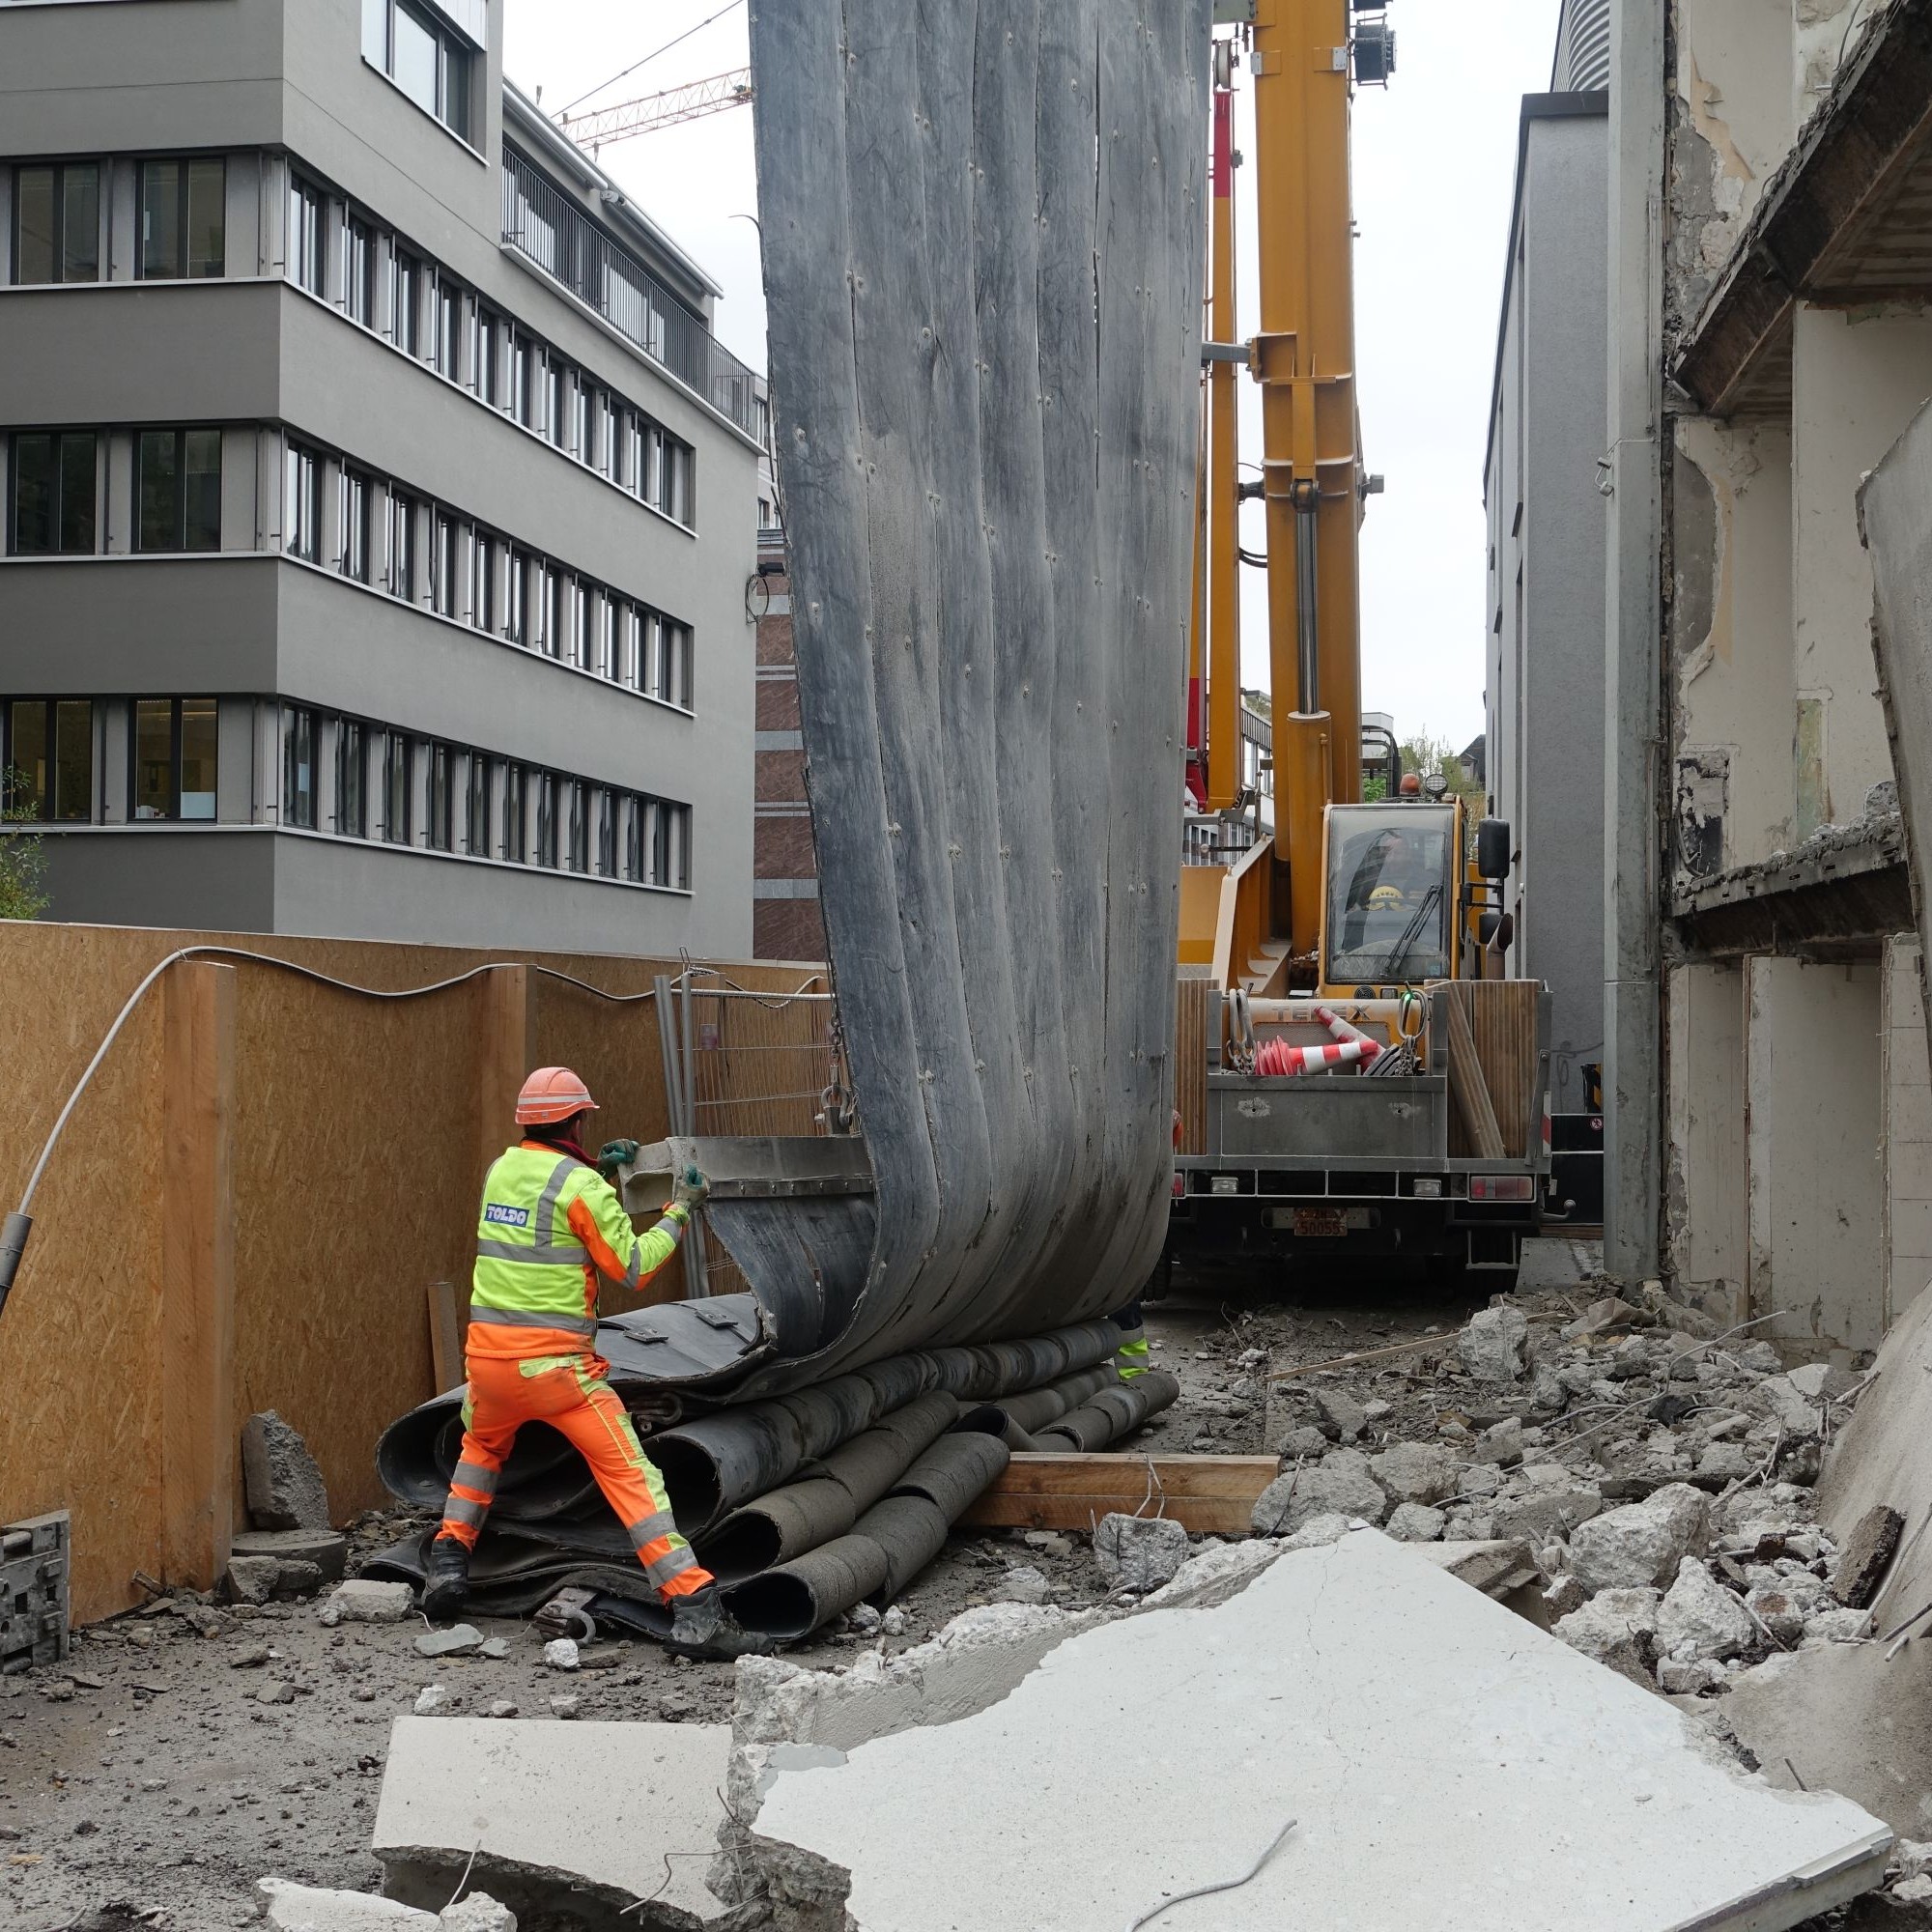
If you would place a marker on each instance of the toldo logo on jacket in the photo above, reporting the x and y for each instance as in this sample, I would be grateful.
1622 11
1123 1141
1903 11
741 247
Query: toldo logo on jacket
506 1217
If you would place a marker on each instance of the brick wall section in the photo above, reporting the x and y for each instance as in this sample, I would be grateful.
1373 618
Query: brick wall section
785 851
787 924
787 929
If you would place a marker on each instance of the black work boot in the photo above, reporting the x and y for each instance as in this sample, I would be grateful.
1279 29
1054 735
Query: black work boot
446 1582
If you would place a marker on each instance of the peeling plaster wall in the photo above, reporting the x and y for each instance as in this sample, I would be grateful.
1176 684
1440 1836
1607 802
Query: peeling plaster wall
1822 31
1814 1112
1732 122
1908 1130
1704 1191
1858 379
1729 637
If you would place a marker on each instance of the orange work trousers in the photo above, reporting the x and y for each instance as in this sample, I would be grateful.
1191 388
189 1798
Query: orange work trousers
570 1393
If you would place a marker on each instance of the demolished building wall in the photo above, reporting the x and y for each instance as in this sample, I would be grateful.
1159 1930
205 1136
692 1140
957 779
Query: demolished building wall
1791 1155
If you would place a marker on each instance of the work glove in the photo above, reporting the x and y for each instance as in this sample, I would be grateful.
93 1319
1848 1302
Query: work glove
691 1189
613 1155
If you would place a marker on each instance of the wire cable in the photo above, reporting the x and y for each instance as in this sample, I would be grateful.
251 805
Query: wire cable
303 972
650 57
1154 1912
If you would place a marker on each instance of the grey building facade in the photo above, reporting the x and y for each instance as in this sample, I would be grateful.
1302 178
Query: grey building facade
379 507
1543 743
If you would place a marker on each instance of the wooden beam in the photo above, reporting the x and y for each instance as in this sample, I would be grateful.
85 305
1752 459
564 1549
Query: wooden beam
445 1336
1212 1496
1467 1085
199 1445
505 1040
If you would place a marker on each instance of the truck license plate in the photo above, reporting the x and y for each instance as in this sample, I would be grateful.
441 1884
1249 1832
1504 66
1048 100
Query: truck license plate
1325 1223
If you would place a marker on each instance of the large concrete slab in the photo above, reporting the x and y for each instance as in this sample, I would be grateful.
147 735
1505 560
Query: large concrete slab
1447 1766
615 1813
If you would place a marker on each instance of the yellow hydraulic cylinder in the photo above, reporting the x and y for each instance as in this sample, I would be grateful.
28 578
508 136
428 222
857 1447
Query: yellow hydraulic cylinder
1304 357
1224 594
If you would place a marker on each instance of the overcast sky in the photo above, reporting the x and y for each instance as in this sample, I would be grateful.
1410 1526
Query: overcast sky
1434 163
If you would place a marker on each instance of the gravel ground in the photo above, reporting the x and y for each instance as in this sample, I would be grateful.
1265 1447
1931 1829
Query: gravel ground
188 1750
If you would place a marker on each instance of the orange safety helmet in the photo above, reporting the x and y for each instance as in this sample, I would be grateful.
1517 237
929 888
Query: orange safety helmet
552 1094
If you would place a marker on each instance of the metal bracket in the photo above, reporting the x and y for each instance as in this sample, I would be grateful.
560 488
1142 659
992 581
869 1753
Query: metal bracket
1234 12
34 1600
1224 351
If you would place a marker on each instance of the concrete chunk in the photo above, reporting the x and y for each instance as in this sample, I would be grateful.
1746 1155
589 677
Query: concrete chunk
1346 1666
479 1912
326 1549
557 1806
284 1487
1493 1347
1138 1552
307 1908
1340 1485
1639 1545
368 1600
1415 1472
1701 1619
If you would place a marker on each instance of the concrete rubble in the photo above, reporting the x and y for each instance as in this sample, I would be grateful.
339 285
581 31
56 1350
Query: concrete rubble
308 1908
595 1817
1139 1554
1634 1817
284 1487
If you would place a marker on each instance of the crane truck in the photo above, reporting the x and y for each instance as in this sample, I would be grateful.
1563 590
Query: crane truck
1356 1077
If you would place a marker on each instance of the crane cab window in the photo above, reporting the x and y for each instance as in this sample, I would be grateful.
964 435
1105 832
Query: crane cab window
1391 894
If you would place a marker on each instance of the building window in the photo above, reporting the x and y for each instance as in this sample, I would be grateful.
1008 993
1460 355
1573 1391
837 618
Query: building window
396 799
665 661
304 512
307 249
477 824
634 840
516 814
56 492
611 438
47 759
446 313
583 416
57 223
182 218
672 492
483 355
547 828
352 795
611 645
405 291
524 397
516 611
631 471
483 582
556 418
353 501
579 851
441 798
175 747
401 578
426 61
448 566
359 272
298 789
582 624
606 834
178 490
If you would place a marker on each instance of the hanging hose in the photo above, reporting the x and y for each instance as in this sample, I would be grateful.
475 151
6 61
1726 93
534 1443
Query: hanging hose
18 1225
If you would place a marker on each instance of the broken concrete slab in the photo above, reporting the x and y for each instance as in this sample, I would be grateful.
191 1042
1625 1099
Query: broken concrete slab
554 1809
284 1487
1700 1620
1840 1716
455 1641
1865 1556
1416 1732
287 1907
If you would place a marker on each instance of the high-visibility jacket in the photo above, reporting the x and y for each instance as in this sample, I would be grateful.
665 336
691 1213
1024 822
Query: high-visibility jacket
550 1226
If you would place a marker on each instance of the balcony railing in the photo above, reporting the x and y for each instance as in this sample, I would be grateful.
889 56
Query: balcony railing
553 232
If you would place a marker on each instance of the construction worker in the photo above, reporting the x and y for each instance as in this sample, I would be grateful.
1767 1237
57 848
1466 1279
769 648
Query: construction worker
551 1224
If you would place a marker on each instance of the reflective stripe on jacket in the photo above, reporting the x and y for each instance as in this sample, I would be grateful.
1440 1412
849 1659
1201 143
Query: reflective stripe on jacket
550 1224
